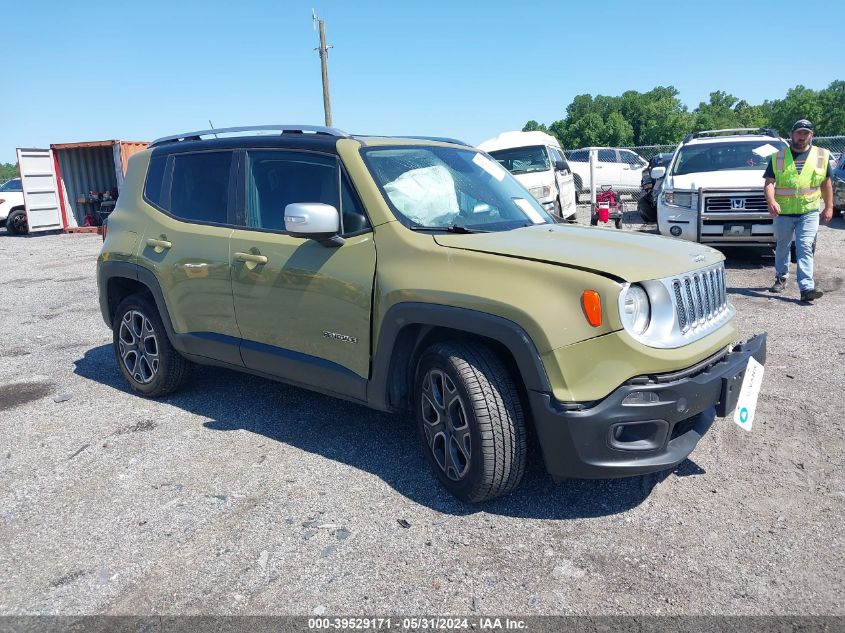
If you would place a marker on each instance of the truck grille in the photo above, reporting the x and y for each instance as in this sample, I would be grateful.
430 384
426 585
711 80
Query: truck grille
700 297
735 204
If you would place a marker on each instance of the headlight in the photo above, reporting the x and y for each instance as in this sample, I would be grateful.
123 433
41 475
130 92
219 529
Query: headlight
678 198
635 310
540 192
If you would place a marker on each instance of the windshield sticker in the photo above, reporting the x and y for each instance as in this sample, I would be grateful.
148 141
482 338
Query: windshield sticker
765 150
530 211
492 168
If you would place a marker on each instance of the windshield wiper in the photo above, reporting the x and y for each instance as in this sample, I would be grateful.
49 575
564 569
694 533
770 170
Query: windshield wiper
453 228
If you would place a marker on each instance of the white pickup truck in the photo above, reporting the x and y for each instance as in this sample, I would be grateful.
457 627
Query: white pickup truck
713 188
622 169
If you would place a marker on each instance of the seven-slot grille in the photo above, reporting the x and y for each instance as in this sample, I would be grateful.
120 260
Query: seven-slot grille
735 204
700 297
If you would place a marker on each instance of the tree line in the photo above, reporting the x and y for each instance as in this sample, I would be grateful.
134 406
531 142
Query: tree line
8 171
658 117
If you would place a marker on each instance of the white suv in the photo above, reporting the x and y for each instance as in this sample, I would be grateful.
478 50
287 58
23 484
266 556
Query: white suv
12 210
713 190
622 169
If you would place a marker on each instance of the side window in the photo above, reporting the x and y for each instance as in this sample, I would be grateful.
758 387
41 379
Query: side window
581 156
607 156
154 186
558 156
12 185
199 189
277 179
629 158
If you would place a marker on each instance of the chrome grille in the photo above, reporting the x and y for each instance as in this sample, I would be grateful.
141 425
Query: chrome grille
700 297
740 204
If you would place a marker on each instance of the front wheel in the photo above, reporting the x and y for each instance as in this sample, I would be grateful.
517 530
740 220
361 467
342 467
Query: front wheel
16 223
147 360
470 420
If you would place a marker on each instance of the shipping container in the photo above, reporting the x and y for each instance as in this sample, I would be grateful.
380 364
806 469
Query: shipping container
64 186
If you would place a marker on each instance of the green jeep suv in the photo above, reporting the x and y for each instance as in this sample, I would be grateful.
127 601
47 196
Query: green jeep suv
418 276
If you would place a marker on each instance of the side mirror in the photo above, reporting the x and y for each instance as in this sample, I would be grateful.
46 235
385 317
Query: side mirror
313 220
560 165
658 172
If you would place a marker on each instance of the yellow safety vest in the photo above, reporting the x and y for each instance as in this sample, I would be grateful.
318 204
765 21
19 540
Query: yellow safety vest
799 193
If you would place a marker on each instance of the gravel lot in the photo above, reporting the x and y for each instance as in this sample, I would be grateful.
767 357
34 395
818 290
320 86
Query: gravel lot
245 496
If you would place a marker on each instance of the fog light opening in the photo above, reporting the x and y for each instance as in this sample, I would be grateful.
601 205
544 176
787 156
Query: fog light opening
675 230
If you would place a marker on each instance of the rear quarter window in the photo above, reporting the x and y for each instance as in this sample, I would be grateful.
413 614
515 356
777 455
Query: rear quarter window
154 186
193 186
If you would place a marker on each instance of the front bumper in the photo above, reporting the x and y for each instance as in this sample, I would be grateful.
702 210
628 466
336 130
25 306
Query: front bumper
612 438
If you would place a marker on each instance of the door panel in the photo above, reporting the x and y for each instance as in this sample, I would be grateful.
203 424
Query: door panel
608 170
307 298
40 191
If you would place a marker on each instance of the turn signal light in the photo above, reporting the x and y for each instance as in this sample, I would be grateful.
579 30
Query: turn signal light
591 304
105 230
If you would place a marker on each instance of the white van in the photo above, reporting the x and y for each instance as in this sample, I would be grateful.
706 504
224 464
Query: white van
536 160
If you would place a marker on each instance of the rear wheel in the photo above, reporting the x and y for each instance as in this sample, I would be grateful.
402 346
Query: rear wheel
147 360
470 420
16 223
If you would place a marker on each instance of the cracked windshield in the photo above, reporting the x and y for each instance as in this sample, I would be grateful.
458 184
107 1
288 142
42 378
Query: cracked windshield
443 188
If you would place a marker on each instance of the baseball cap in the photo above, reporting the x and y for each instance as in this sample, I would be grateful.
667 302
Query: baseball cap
802 124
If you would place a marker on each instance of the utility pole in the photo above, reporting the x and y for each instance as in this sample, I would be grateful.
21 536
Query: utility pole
324 63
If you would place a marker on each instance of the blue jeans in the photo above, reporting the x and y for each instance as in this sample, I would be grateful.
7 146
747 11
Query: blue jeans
804 227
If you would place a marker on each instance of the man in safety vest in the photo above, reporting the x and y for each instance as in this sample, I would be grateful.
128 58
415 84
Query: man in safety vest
798 178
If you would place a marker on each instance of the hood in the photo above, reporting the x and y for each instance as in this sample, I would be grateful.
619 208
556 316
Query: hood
738 179
535 179
620 254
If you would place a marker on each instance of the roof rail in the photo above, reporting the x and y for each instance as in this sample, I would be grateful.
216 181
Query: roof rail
756 131
296 129
441 139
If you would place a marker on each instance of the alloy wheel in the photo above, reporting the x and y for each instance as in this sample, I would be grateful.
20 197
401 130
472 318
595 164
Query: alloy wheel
138 347
445 423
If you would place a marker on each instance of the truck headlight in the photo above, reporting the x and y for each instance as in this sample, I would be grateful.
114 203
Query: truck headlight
678 198
540 192
635 309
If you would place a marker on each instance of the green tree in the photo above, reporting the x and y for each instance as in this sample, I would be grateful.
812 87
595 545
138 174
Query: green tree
8 170
832 118
799 103
533 126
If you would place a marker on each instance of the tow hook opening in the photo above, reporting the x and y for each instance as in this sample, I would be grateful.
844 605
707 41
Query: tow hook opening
638 436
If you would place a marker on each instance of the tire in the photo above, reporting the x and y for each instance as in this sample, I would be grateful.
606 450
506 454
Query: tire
594 220
618 222
16 223
647 212
558 208
576 180
155 368
470 420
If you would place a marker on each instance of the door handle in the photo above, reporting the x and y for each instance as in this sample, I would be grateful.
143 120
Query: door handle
250 258
159 245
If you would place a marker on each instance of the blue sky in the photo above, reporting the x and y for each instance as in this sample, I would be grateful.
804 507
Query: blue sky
86 70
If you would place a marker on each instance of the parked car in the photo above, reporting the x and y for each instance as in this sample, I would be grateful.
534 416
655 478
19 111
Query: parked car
839 186
536 160
12 209
480 315
620 168
713 188
650 187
